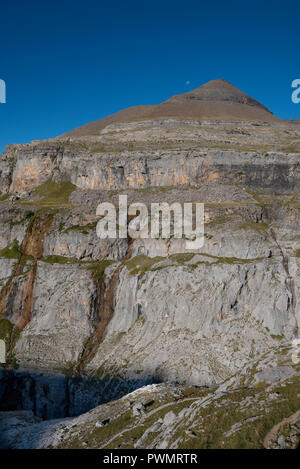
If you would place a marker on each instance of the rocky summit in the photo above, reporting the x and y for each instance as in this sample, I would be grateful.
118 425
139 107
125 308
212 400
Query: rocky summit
139 342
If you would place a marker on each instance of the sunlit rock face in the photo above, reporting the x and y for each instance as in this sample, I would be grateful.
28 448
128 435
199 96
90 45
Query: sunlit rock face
94 169
148 309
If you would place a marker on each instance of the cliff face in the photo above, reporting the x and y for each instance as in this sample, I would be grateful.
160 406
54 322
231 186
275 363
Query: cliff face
138 311
159 153
91 304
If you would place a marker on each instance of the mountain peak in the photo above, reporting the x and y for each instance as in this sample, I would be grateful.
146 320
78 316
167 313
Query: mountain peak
218 91
215 100
218 83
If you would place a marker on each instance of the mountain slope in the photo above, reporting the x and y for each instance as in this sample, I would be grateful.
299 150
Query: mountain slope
217 99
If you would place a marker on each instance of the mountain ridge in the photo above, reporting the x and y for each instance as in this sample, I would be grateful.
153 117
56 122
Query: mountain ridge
215 100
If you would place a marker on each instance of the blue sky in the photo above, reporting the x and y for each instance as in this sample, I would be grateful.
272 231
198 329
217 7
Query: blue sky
67 63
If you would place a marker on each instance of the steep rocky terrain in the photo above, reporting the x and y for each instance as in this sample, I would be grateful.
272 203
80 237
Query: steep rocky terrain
88 320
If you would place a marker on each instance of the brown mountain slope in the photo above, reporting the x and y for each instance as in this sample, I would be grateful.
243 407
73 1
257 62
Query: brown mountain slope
217 99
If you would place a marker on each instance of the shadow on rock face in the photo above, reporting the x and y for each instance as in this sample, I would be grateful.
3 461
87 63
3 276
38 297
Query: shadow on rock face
59 396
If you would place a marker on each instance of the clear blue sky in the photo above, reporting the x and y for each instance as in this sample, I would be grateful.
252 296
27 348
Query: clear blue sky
67 63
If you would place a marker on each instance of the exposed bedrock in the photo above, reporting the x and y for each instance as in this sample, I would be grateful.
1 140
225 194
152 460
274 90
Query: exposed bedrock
58 396
206 318
207 313
24 167
148 309
87 320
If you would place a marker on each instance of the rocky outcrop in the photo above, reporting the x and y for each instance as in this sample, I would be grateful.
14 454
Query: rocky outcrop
138 311
35 165
166 415
153 153
205 312
58 395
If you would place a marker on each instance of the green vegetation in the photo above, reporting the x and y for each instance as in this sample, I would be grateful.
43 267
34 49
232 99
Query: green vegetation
182 258
239 419
98 436
70 368
55 259
297 253
12 251
277 337
53 194
26 216
234 260
156 189
9 333
151 190
141 264
255 421
260 226
6 328
219 220
255 196
84 229
98 268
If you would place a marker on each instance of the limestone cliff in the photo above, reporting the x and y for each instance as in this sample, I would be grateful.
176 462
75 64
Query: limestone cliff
145 311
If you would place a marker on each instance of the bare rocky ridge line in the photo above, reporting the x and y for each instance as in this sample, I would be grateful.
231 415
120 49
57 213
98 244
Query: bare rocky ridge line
217 99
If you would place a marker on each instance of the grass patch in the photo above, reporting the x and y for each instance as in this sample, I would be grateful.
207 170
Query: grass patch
235 260
53 194
255 196
297 253
84 229
217 421
98 268
261 226
6 328
27 216
228 260
155 189
186 257
96 437
181 258
55 259
9 333
141 264
219 220
12 251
